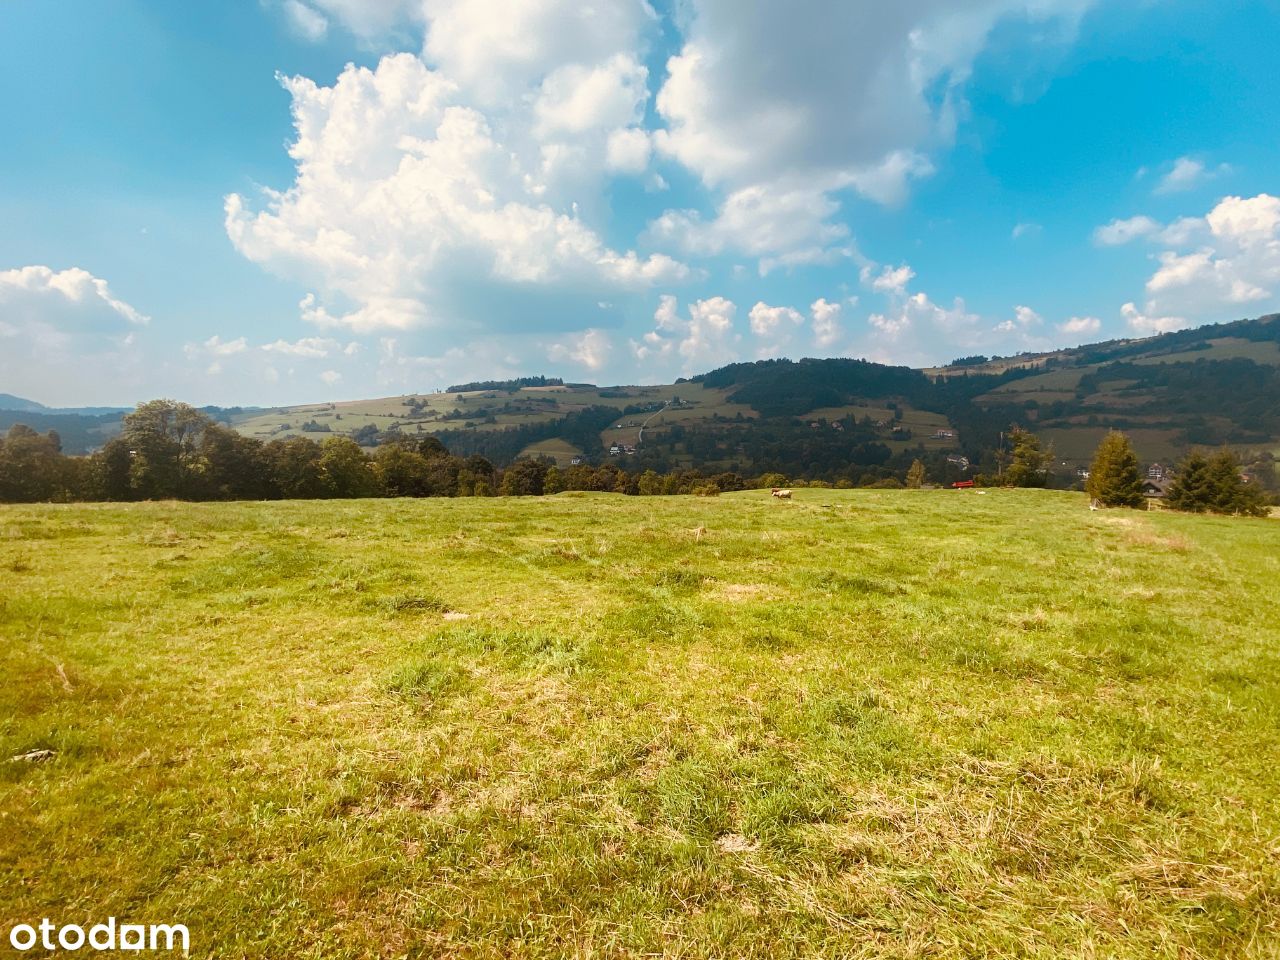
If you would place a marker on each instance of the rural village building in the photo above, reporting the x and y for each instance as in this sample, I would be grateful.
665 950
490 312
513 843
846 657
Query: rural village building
1156 489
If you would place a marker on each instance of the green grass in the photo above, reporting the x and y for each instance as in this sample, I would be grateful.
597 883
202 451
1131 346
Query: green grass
527 406
1226 348
559 450
859 724
1078 444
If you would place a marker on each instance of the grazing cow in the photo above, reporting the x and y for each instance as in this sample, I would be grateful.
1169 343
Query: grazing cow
782 494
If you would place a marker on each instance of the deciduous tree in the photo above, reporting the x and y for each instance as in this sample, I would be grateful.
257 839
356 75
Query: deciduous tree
915 476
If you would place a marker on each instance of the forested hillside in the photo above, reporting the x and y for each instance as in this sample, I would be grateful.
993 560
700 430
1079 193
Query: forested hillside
821 419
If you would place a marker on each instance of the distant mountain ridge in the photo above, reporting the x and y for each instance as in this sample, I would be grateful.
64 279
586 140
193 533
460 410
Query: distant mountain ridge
22 405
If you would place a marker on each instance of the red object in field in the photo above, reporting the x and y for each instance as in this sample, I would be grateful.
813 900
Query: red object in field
962 484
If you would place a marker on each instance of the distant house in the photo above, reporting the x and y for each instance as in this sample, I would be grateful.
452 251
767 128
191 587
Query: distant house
576 462
961 462
945 435
615 449
1155 489
1155 472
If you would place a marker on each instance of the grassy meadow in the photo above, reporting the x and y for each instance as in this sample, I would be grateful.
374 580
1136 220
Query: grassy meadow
859 724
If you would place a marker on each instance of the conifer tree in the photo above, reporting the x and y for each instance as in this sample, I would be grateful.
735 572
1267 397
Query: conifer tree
1214 485
1191 491
1114 478
1028 464
1231 495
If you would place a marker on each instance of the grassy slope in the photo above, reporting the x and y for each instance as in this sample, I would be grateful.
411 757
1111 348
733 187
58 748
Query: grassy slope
858 724
559 450
1074 444
700 406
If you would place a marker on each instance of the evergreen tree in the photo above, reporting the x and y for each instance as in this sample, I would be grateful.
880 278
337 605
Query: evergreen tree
1028 465
915 476
1231 495
1214 485
1114 478
1191 491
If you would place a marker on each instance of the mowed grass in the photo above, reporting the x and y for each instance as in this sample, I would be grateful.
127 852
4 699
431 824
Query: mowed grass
859 724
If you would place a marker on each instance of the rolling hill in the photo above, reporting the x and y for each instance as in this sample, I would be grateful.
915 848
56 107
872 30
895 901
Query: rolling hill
1210 386
828 418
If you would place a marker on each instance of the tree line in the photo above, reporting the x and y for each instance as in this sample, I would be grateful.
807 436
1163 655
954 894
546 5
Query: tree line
1202 483
170 450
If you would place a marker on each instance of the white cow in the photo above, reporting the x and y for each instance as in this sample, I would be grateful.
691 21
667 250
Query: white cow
782 494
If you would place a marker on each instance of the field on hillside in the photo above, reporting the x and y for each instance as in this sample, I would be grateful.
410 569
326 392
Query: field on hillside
444 411
858 724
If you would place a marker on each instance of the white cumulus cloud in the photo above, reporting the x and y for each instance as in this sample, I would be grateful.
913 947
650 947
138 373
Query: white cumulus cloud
827 97
1081 326
703 340
767 321
827 330
780 227
591 349
1024 318
65 327
410 209
919 313
1221 266
1146 325
773 328
310 347
37 290
891 280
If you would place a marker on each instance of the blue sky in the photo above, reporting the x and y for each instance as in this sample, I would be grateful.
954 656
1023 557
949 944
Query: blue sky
276 201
